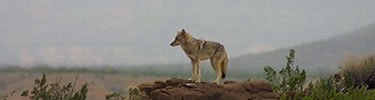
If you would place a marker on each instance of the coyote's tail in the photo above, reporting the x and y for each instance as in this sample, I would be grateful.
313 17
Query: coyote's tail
224 66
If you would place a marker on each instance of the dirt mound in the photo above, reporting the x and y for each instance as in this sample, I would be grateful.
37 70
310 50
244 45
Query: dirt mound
180 89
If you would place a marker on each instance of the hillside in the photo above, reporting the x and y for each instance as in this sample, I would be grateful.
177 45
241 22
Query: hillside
321 56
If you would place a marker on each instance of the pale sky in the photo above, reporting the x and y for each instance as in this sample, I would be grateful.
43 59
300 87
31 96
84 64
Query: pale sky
136 32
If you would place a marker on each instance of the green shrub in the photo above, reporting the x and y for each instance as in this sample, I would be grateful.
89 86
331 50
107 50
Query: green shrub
326 89
53 91
324 92
288 78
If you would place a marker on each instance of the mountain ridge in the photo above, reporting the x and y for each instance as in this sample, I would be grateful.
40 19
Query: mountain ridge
317 54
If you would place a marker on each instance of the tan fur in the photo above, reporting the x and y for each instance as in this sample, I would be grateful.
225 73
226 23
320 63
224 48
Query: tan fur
199 50
188 36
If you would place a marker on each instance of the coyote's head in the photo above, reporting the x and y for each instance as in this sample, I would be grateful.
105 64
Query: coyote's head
181 38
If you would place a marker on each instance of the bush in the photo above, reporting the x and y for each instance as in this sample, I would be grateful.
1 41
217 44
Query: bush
289 82
358 70
290 77
42 91
323 89
134 94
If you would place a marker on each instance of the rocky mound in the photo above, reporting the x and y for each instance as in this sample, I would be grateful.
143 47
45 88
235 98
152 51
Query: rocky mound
180 89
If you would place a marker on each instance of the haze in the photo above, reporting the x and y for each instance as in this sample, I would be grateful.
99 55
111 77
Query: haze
137 32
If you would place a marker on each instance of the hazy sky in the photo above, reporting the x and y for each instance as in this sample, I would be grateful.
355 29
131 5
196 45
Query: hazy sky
116 32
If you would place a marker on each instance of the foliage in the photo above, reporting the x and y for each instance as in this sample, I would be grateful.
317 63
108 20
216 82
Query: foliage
358 70
44 91
290 85
134 94
324 89
290 77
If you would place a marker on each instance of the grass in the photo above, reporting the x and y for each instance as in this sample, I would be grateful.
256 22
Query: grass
358 69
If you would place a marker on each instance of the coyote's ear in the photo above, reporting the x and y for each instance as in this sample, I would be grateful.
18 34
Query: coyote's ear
178 32
183 32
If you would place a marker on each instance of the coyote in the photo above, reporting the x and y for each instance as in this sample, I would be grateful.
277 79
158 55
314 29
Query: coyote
198 50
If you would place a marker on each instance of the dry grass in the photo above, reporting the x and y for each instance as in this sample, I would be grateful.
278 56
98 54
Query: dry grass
359 68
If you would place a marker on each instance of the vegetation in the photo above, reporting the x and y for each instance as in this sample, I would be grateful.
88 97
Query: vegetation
290 85
134 94
288 78
358 70
42 91
324 89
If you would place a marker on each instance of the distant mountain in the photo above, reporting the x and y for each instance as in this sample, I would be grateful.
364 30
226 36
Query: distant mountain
322 56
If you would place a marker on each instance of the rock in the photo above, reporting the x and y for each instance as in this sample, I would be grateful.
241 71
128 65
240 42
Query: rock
148 88
175 81
229 82
180 89
238 87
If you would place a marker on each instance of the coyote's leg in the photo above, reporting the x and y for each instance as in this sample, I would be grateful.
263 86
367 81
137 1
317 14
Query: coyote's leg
198 69
193 72
219 74
213 64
